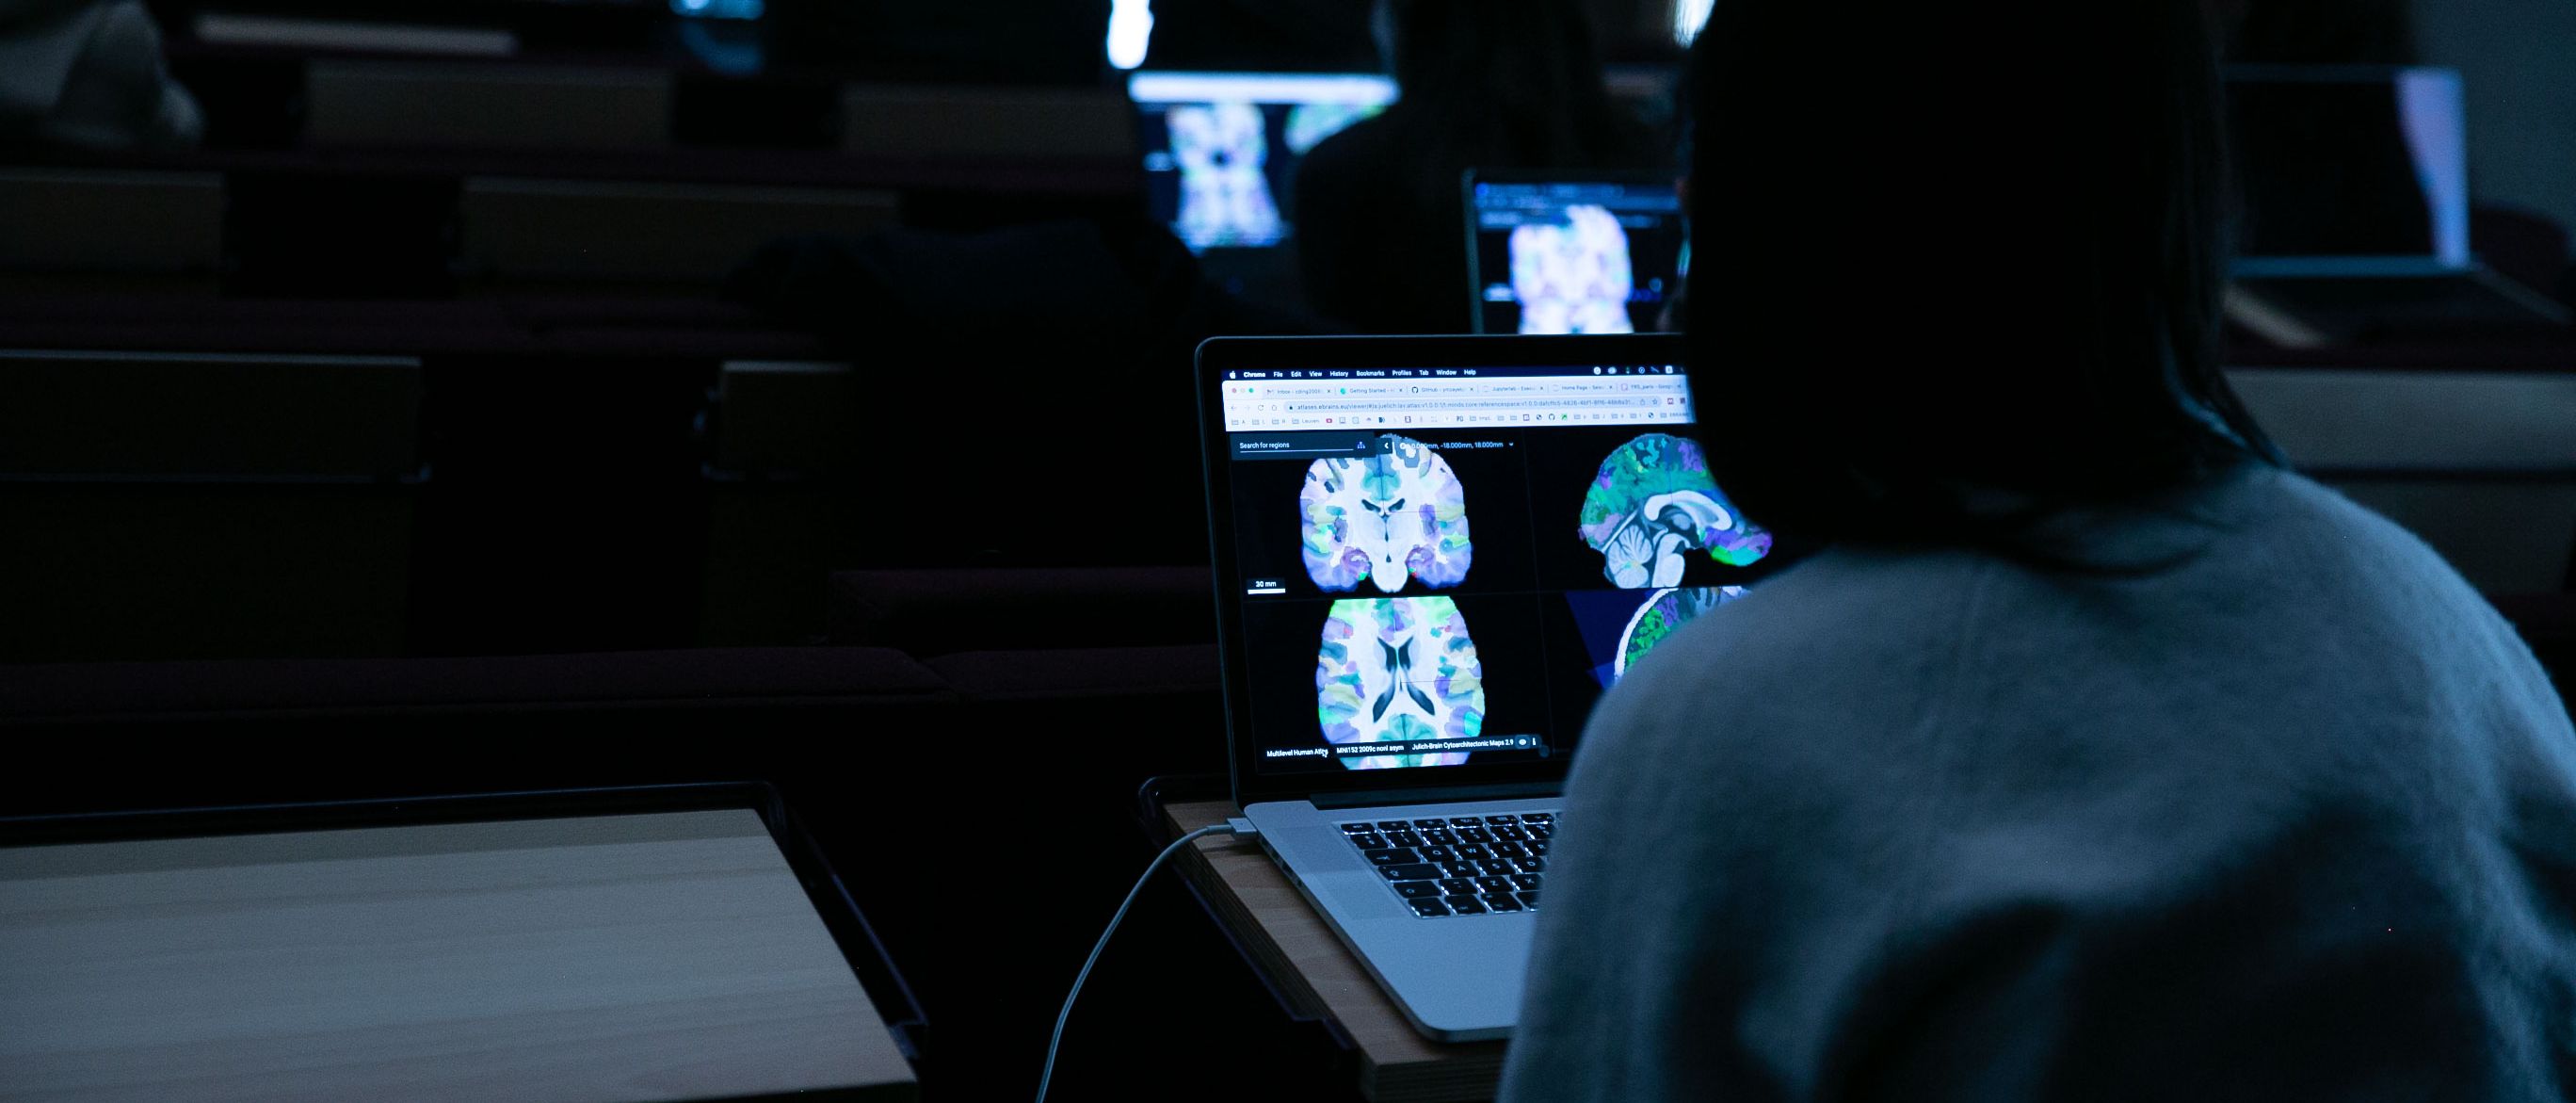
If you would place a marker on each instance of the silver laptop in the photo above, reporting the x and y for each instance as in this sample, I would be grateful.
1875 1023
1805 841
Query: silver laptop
1432 556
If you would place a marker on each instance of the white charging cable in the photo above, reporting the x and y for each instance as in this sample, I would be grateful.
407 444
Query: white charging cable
1239 827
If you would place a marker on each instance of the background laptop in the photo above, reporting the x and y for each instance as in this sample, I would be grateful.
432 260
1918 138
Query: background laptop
1221 152
2356 206
1432 555
1567 252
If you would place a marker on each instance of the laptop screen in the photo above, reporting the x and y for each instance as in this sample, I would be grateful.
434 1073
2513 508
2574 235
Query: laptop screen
1221 149
1439 566
1570 256
2349 170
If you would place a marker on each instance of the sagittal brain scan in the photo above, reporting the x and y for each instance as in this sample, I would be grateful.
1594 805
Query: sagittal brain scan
1663 614
1398 669
1221 149
1574 276
1397 515
1653 502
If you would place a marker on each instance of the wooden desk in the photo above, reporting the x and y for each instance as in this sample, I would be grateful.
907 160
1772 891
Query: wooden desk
1319 975
657 956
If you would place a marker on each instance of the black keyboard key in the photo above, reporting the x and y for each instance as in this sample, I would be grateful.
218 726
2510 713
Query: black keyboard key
1526 882
1464 821
1410 872
1439 838
1416 890
1538 817
1534 865
1460 868
1394 825
1474 835
1495 884
1358 828
1539 849
1502 820
1438 854
1458 886
1540 831
1403 838
1511 834
1430 825
1395 856
1367 842
1466 905
1529 899
1429 907
1476 851
1511 850
1501 902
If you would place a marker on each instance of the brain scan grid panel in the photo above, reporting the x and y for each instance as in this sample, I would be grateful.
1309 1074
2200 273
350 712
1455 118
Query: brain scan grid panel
1398 669
1394 517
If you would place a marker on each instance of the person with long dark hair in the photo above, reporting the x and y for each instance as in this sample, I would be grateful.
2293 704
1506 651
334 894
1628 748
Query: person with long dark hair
2099 756
1491 84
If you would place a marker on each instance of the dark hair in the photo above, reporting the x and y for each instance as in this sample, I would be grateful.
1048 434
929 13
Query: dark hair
1957 267
1503 83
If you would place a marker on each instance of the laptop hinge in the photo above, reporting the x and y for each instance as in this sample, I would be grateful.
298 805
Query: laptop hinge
1446 794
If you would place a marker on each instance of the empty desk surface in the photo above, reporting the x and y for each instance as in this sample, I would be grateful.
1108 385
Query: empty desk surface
1320 977
659 956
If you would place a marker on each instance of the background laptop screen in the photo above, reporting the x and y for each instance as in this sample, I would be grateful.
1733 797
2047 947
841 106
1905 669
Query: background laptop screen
1445 565
1221 149
2349 171
1574 257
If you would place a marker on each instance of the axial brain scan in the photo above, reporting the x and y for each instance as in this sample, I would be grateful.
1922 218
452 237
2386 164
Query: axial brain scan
1397 514
1653 501
1398 669
1664 612
1225 197
1573 277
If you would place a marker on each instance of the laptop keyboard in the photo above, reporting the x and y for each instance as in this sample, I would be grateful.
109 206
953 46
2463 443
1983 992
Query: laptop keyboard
1459 865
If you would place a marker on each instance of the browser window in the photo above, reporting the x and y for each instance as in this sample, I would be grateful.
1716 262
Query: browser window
1445 565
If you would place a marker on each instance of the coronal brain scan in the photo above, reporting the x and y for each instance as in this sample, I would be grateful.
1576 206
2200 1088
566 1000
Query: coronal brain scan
1398 669
1664 613
1652 503
1400 514
1221 149
1573 277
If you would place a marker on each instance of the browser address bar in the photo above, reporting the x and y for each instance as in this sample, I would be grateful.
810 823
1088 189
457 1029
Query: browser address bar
1335 406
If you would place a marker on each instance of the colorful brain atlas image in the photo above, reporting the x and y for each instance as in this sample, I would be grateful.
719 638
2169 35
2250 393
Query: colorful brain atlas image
1652 503
1398 669
1663 614
1221 149
1573 277
1398 514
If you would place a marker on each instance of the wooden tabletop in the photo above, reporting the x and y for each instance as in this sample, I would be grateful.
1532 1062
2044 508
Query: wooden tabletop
600 959
1319 975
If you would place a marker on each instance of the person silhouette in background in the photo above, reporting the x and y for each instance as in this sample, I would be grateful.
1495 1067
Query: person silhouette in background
2098 756
89 74
1485 84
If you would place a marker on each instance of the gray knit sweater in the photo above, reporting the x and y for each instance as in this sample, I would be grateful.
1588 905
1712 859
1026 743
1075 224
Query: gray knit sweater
2261 802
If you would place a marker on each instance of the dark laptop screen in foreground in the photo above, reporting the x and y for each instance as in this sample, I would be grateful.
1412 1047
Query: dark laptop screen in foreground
1445 565
1568 256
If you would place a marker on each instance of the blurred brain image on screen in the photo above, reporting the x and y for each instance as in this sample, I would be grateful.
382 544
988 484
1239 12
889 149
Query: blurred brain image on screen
1221 150
1574 276
1398 669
